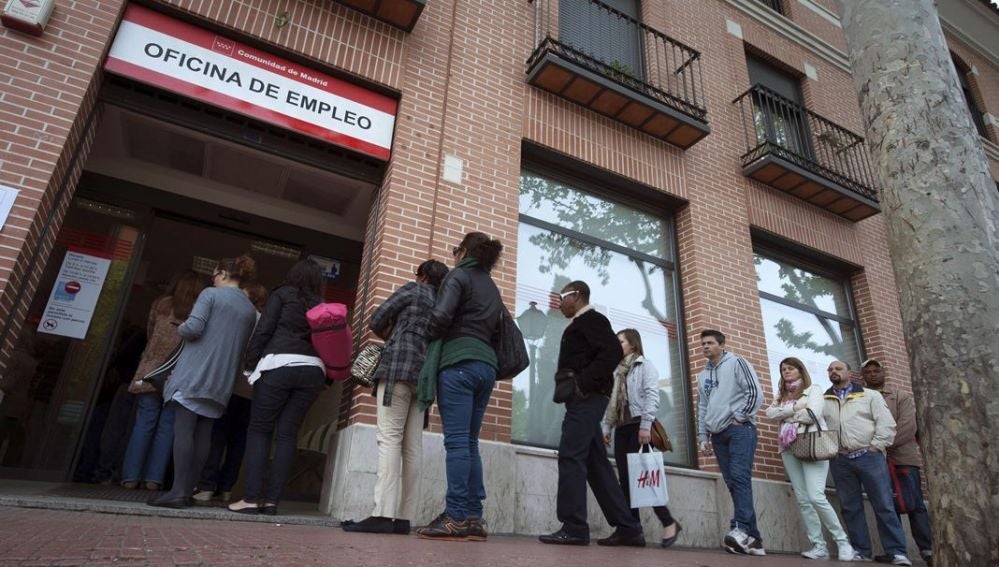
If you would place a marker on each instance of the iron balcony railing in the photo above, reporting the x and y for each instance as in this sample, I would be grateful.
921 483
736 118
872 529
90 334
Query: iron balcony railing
775 125
609 42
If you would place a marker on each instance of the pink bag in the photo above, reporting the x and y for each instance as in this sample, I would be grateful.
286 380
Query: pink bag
332 338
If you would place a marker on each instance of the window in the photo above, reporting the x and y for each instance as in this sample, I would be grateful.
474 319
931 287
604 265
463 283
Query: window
626 255
607 31
807 315
969 98
779 113
775 5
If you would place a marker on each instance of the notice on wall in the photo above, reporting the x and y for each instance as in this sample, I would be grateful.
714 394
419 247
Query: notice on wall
156 49
74 296
7 197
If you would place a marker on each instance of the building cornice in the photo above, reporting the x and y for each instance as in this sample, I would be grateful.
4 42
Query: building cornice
959 18
991 149
793 32
821 10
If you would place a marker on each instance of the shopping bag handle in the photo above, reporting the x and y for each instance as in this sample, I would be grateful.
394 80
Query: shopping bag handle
652 448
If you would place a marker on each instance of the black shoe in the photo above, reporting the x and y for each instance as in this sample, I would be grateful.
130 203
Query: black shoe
561 537
400 527
176 503
882 558
668 541
269 510
372 525
620 539
477 530
444 528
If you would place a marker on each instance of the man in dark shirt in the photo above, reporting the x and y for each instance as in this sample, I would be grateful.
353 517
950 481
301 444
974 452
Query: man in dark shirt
591 351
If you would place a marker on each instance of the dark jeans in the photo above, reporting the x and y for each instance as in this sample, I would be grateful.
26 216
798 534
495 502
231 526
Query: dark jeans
463 392
582 459
735 448
281 396
869 471
229 439
919 518
626 441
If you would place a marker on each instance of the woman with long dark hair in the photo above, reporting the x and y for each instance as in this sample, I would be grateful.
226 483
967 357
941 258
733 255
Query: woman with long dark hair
215 336
402 322
465 318
149 447
287 377
633 407
796 395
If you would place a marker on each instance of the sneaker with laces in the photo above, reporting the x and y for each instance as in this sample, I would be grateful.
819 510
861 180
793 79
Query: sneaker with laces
756 548
444 528
900 559
477 530
737 541
845 552
816 552
862 558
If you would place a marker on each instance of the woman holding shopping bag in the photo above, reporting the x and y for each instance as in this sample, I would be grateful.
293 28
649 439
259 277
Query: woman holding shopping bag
633 407
796 396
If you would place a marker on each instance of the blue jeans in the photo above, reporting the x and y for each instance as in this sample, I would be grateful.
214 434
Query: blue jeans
463 392
870 471
150 446
735 448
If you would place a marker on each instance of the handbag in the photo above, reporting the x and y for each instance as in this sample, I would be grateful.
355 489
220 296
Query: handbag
815 445
566 388
365 364
647 478
660 439
511 350
158 376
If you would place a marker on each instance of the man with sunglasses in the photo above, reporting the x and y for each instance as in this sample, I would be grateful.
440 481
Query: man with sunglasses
590 351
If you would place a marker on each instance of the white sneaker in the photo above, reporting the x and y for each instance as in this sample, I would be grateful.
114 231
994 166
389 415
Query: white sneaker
203 495
756 548
737 541
901 560
845 552
816 552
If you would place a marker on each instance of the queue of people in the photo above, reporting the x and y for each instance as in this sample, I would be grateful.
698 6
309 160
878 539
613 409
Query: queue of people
439 332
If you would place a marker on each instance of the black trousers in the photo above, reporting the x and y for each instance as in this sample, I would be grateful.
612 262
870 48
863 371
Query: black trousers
626 441
582 459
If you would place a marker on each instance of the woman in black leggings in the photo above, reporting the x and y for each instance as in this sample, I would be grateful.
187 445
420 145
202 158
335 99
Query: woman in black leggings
215 335
287 377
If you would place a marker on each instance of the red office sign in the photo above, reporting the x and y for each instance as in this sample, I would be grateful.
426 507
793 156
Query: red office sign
161 51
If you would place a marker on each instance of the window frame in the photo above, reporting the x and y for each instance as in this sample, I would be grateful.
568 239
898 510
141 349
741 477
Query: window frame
616 190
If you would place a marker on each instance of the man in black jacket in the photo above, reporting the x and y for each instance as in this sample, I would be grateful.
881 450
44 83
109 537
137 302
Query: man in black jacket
591 351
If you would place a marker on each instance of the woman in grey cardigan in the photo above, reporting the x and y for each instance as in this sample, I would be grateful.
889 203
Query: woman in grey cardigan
633 407
215 336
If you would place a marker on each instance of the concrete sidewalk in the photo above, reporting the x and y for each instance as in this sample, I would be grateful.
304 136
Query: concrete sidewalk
67 538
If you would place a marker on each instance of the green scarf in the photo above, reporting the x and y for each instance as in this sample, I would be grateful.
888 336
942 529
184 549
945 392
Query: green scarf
426 386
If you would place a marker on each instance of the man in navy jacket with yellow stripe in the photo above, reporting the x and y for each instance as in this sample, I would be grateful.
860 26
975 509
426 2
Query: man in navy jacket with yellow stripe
728 397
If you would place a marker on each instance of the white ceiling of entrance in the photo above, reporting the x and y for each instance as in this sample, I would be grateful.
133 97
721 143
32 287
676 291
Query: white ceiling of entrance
157 154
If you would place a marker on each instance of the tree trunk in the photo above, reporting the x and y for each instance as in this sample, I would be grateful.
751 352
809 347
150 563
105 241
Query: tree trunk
940 204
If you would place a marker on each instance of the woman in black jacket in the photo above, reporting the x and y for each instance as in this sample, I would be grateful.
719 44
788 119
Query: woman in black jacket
287 377
465 318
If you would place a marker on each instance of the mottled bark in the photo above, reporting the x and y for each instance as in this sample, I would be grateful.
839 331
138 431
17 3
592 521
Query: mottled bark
941 207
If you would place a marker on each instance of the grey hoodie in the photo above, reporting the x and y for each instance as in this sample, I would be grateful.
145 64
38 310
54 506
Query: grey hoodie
726 393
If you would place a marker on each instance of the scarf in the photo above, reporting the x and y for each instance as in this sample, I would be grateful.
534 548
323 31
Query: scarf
619 396
426 385
788 429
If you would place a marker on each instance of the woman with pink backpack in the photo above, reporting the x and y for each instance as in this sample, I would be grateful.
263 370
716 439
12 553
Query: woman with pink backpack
287 377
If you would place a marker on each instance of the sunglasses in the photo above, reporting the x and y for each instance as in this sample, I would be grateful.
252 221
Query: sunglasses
564 295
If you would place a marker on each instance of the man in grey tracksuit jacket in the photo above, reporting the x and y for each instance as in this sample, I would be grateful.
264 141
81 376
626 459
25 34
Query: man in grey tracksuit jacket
729 395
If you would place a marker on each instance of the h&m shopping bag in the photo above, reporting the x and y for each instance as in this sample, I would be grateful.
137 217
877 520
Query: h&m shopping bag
647 478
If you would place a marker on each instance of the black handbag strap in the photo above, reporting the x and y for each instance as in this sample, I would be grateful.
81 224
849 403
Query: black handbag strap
815 420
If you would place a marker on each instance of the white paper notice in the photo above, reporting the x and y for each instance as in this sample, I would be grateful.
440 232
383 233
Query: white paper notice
7 196
74 295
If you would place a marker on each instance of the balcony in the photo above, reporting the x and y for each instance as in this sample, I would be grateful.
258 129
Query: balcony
801 153
612 63
402 14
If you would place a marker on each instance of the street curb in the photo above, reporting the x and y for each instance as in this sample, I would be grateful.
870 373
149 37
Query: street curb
134 509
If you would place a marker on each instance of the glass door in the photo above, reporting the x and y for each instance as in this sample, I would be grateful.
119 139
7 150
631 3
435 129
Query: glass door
70 356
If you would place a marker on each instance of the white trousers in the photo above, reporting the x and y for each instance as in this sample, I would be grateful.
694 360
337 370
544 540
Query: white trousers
808 478
400 454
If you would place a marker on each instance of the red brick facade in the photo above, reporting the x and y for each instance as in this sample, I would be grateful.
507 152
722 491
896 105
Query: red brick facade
461 77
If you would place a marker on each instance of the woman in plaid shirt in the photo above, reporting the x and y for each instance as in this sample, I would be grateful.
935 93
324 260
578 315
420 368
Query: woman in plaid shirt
402 322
